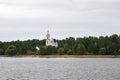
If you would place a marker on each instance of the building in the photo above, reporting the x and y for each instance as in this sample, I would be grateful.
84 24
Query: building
50 42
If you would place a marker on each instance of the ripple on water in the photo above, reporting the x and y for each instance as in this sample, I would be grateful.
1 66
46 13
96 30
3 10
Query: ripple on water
59 69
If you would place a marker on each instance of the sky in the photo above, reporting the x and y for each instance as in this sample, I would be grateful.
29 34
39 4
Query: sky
30 19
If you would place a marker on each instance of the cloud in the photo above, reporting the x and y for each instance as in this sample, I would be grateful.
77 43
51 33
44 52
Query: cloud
65 17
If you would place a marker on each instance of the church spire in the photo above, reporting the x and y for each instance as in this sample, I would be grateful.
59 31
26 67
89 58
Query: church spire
48 35
48 31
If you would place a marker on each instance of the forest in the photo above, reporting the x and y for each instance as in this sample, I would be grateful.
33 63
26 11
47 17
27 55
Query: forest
102 45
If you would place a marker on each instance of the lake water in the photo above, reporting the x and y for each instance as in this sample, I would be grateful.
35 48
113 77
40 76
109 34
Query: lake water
59 68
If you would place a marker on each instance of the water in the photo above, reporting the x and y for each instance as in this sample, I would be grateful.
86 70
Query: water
59 68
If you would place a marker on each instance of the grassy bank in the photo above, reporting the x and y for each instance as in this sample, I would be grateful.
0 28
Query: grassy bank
66 56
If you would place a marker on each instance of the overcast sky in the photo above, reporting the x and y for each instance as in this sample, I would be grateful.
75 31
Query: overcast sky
29 19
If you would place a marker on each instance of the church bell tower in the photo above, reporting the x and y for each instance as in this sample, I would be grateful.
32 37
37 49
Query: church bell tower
48 38
50 42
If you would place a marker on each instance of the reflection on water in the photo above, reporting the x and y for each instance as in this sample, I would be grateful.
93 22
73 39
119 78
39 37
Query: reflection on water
59 68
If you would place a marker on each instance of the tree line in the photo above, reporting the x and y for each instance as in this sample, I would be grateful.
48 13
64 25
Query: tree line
103 45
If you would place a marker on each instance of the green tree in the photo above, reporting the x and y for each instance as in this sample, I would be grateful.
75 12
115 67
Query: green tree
70 52
71 43
1 51
102 51
11 50
119 52
43 50
81 49
51 50
66 48
60 50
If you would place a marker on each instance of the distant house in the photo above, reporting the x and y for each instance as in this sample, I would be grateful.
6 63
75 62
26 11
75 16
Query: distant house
50 42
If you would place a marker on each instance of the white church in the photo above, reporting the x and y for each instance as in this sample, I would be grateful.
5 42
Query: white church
50 42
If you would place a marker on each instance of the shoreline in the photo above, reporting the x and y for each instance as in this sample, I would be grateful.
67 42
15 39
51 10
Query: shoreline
64 56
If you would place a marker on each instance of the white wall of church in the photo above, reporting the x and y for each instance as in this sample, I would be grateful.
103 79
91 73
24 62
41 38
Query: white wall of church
50 42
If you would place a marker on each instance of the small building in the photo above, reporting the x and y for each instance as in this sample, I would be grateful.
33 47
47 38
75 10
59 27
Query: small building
50 42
